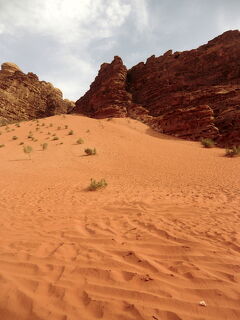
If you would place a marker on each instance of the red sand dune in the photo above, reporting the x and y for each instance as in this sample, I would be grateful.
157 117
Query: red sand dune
163 236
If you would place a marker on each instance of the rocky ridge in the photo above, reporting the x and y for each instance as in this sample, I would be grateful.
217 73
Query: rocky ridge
191 94
24 97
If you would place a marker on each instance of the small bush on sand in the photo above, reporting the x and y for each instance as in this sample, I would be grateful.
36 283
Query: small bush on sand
58 128
21 143
30 135
70 133
80 141
96 185
233 152
207 143
90 152
17 125
55 138
44 146
66 126
2 145
14 138
50 125
28 150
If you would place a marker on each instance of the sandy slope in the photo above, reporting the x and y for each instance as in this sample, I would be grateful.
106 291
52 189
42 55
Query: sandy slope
161 237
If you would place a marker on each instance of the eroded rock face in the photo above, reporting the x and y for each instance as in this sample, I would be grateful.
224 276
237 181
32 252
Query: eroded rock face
191 94
107 96
209 75
23 96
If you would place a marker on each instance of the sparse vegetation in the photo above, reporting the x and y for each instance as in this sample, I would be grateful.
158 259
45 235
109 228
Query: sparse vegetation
21 143
17 125
55 138
28 150
58 128
44 146
66 126
50 125
70 133
30 135
80 141
14 138
90 152
207 143
96 185
233 152
2 145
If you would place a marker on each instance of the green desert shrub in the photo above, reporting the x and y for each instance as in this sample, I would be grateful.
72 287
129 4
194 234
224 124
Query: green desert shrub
28 150
14 138
96 185
80 141
207 143
44 146
70 133
30 135
90 152
233 152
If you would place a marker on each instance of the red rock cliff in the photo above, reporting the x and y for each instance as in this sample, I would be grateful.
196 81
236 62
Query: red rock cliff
23 96
107 96
190 94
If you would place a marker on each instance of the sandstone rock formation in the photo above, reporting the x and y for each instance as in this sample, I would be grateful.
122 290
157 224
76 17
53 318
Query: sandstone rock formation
191 94
23 96
107 96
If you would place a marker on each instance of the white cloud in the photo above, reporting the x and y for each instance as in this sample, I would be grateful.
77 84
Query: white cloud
65 20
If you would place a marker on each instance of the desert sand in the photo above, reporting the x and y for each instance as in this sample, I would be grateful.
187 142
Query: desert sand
161 237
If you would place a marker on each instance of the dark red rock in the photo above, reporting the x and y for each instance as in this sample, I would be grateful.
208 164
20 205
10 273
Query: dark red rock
107 96
190 94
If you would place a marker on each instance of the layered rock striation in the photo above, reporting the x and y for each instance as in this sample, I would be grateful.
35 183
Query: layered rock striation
23 96
107 96
191 94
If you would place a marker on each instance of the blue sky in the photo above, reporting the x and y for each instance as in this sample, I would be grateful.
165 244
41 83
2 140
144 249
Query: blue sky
65 41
